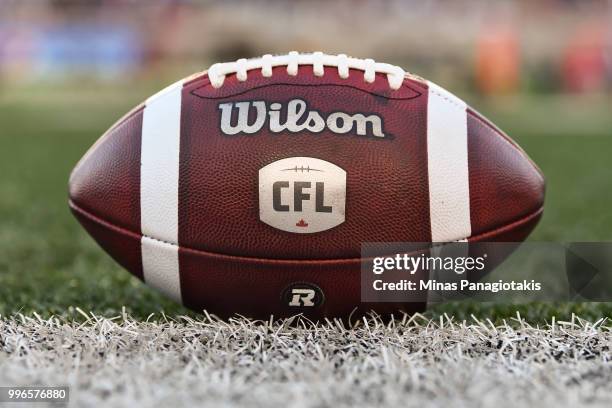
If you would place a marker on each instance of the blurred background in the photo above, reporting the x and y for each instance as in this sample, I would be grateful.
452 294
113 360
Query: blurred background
489 47
542 70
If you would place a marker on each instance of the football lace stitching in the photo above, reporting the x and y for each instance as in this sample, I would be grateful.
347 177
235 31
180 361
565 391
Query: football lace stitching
318 60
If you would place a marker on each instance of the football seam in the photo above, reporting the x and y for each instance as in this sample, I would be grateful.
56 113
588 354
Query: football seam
121 122
524 219
379 95
505 138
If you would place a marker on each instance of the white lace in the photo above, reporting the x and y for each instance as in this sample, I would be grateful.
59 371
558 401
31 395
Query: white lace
318 60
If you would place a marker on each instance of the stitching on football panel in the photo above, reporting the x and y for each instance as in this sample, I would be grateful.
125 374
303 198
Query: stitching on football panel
318 60
192 92
447 99
138 236
511 225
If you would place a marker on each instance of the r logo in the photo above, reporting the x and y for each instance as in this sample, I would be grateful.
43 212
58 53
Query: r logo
302 195
302 295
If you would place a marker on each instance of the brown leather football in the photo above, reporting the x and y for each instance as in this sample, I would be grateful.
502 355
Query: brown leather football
250 188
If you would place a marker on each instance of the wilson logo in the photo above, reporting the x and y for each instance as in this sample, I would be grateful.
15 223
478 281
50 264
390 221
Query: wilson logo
295 117
302 195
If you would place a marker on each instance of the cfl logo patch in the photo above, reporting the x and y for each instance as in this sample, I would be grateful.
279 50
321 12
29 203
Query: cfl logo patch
302 195
302 295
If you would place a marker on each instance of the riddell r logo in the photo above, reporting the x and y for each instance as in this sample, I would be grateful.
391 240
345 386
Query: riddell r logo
302 297
302 294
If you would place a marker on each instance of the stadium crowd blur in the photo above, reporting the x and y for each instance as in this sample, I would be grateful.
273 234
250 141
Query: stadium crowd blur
490 47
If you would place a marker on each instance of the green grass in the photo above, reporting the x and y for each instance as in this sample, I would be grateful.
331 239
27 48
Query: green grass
49 265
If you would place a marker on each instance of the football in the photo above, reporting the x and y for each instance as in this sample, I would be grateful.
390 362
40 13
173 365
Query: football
249 188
